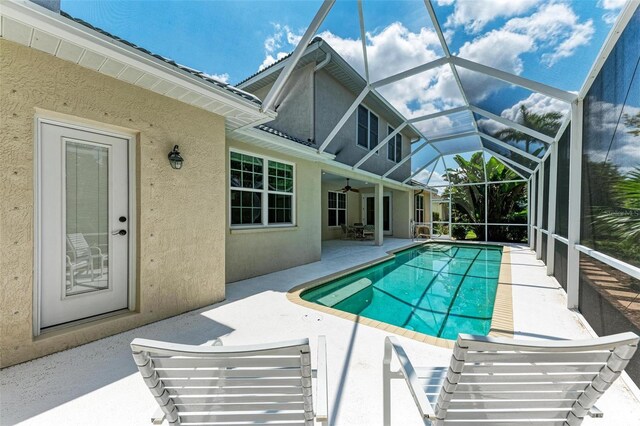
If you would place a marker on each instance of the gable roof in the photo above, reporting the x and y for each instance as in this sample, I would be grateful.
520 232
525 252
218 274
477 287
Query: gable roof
317 51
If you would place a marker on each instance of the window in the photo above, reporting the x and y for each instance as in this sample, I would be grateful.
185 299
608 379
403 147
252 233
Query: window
419 208
394 146
251 202
337 208
367 128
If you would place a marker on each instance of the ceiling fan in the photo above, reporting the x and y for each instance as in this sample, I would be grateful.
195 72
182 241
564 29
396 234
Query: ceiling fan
348 188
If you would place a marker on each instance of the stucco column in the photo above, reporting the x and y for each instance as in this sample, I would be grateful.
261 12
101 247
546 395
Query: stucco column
379 211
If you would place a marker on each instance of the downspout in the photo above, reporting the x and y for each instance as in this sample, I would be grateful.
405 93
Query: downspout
322 64
317 68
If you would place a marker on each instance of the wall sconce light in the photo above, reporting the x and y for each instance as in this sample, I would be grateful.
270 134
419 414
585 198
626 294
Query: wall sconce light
175 159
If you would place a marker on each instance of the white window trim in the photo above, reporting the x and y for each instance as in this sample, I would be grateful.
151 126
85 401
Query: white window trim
394 141
417 209
264 192
369 114
346 200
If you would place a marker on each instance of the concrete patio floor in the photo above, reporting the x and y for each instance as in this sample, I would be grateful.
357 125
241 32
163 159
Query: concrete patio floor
98 383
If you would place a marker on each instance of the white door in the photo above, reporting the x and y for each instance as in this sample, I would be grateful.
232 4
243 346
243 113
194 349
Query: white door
369 212
83 224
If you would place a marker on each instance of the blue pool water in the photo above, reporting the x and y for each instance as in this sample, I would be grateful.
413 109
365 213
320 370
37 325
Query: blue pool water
435 289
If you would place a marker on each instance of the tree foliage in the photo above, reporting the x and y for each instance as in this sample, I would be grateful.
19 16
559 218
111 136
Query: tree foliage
506 202
548 123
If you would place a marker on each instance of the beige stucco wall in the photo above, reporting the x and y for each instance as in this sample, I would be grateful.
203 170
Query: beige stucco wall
181 219
262 250
403 212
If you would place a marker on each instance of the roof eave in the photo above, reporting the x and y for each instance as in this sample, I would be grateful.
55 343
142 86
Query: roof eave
44 20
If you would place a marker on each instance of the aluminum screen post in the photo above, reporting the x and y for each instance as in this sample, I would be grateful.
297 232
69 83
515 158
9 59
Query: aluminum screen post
575 188
539 213
379 211
529 211
532 204
551 221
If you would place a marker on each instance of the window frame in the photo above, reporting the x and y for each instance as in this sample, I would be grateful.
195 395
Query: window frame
346 200
264 192
416 209
369 114
394 143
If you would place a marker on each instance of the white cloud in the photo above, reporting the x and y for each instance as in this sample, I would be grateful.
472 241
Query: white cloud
535 103
270 60
554 31
220 77
475 15
282 37
624 151
613 7
613 4
554 26
395 49
499 49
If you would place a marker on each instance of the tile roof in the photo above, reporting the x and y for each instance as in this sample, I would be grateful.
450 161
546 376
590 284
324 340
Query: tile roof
194 72
276 132
284 58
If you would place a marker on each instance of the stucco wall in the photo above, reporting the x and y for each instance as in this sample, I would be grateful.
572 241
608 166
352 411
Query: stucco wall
295 104
332 100
180 218
259 251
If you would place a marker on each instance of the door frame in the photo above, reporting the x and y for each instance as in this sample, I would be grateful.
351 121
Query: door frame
55 119
364 209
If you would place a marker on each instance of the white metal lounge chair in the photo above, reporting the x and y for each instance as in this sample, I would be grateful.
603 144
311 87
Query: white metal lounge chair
82 251
241 385
515 382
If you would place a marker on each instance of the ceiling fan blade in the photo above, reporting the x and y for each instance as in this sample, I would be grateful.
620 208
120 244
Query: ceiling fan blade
354 190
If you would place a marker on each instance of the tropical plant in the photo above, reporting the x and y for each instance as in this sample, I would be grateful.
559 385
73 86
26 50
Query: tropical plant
612 223
624 221
506 202
548 123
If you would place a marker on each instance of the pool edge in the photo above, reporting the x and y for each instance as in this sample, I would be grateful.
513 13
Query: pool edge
501 322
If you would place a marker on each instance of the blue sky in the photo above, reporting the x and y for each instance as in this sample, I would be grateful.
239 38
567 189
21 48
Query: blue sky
228 37
551 41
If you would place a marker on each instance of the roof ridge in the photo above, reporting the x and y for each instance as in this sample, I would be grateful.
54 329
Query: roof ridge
316 39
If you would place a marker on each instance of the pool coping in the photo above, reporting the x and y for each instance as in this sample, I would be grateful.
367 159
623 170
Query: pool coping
501 321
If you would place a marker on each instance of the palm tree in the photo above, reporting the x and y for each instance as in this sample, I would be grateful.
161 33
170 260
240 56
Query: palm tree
548 123
506 202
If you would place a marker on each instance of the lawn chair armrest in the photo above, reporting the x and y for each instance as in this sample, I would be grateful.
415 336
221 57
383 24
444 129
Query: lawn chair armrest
595 413
322 403
158 416
410 376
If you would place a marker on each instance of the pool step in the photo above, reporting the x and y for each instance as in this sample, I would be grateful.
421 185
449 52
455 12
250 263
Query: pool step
344 293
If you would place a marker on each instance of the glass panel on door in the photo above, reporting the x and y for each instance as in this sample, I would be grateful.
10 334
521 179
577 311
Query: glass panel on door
87 217
371 211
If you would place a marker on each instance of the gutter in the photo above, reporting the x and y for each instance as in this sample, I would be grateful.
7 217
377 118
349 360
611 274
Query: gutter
42 19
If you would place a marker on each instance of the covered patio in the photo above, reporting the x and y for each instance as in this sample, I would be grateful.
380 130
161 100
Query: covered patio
98 383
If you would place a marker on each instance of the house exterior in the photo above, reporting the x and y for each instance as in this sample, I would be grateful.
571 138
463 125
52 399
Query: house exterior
318 93
100 234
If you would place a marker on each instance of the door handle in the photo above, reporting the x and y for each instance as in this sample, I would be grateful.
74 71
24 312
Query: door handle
119 232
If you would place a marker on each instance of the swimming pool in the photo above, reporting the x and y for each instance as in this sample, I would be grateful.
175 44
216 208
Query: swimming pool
435 289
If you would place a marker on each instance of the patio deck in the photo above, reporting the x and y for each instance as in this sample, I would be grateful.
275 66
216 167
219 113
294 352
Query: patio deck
98 383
